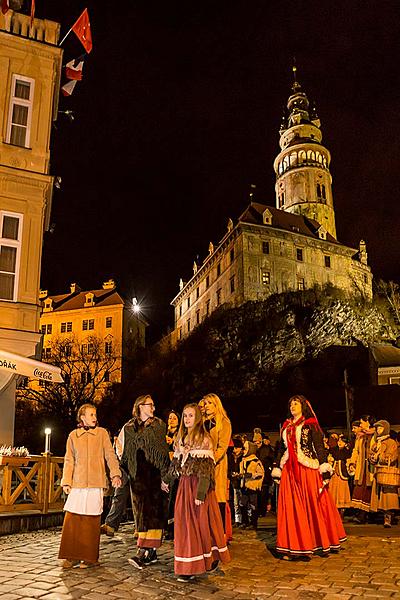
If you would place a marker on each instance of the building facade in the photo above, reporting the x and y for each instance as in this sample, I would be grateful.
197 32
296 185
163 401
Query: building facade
290 247
81 323
30 68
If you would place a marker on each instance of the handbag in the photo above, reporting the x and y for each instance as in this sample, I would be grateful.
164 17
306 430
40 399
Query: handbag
387 475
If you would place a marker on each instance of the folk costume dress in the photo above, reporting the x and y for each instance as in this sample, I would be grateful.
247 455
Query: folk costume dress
384 453
363 476
199 534
339 484
308 520
84 471
145 457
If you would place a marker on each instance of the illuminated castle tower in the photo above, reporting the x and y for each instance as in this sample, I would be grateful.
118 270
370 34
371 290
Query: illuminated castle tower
303 180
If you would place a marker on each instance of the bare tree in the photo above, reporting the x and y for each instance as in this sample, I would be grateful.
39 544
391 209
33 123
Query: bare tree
87 368
390 292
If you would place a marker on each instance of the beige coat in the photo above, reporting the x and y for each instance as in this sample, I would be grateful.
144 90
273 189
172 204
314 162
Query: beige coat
84 465
359 459
220 440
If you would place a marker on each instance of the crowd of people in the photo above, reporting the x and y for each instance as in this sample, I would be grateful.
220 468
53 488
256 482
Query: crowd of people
192 481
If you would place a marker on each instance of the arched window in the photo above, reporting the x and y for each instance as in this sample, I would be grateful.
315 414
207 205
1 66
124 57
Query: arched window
285 163
302 157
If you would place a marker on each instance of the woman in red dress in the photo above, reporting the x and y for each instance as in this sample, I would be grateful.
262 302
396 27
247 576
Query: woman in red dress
308 520
199 542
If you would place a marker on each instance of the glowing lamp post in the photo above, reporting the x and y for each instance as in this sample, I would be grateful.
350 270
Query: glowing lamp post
47 433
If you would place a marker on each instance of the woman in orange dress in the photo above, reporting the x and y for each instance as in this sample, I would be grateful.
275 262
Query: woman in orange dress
308 520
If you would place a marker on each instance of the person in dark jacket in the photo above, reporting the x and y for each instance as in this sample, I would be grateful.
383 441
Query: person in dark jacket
265 453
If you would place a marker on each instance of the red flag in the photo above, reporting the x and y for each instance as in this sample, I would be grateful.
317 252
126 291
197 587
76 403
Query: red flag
68 88
32 11
72 71
82 29
4 6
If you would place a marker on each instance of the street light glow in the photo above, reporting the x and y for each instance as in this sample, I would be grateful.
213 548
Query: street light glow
135 305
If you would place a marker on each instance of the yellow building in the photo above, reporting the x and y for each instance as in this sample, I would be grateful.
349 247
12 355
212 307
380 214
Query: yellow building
30 67
290 247
84 322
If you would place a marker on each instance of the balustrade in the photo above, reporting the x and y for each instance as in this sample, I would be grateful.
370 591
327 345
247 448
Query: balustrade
31 483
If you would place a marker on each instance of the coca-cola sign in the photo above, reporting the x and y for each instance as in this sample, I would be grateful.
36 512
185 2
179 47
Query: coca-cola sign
43 374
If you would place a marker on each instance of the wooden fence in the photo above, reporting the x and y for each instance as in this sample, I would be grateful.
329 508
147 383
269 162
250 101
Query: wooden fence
31 483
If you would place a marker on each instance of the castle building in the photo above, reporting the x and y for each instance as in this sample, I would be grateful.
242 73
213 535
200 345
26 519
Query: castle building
82 323
290 247
30 68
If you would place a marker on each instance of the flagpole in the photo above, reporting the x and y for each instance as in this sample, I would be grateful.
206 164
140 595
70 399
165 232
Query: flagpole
65 36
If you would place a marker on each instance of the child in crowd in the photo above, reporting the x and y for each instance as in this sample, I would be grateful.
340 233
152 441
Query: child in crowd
339 483
252 475
199 535
84 480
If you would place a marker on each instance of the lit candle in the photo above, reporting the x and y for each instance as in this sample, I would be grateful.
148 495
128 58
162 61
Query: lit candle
47 433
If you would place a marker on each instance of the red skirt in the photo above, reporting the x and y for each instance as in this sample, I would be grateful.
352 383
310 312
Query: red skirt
308 520
199 537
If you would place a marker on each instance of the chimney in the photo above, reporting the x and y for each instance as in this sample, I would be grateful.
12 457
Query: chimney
109 285
74 287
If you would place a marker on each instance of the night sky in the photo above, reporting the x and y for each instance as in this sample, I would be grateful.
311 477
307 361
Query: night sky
178 113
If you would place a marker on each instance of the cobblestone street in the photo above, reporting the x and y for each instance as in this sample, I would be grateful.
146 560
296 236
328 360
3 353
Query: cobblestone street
368 567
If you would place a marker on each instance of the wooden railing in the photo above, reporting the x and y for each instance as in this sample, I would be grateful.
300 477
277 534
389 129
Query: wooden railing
31 483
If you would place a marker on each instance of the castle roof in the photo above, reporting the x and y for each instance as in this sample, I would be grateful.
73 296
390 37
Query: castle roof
283 220
77 300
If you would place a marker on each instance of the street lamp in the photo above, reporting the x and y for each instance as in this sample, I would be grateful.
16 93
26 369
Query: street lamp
135 305
47 433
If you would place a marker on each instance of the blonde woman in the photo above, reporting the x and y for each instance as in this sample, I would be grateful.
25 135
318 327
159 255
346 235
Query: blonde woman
84 479
219 428
199 542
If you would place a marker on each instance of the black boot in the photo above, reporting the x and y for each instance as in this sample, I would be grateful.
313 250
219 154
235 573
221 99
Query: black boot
150 556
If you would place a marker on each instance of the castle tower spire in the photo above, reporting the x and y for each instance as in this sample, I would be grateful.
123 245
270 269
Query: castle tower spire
303 180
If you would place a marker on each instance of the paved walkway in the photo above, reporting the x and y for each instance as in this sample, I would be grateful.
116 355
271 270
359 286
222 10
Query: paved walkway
369 567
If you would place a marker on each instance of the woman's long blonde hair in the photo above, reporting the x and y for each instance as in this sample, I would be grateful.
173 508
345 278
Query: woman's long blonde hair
220 412
198 433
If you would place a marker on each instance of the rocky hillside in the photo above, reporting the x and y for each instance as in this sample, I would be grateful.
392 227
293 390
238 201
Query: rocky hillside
256 355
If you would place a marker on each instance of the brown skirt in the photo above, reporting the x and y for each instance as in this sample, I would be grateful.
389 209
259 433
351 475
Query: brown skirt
80 537
340 492
362 496
384 497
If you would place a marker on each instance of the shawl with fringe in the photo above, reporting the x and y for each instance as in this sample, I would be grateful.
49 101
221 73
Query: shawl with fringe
150 438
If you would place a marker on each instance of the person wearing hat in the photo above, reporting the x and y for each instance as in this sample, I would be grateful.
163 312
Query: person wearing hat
252 475
384 457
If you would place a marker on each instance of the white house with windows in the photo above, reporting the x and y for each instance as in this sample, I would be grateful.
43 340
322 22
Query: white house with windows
30 68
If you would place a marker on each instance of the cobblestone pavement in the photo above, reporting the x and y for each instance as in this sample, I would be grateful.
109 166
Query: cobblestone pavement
368 567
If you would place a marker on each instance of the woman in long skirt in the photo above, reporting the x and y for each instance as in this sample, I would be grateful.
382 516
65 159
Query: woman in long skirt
84 479
308 520
199 536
